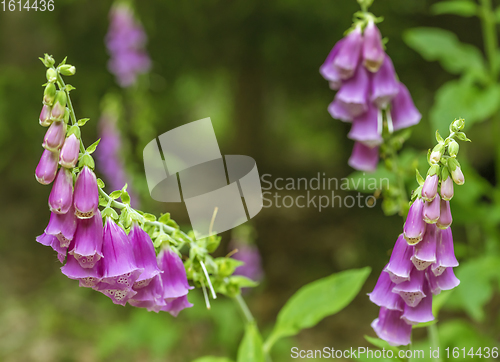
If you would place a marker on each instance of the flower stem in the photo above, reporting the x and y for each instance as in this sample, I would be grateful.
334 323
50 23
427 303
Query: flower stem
244 308
434 338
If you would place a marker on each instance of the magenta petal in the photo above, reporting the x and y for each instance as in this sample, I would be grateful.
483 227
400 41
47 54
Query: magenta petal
400 265
365 128
447 189
349 53
149 296
354 93
339 111
403 111
445 218
86 198
384 84
364 158
429 189
145 255
373 49
425 251
88 241
383 296
422 312
46 170
446 281
445 255
391 328
174 278
54 243
176 305
54 137
88 277
327 70
69 152
431 210
62 226
61 196
415 225
117 296
412 291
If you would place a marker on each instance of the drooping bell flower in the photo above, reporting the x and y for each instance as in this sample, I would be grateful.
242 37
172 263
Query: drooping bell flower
61 196
145 255
365 128
414 227
87 277
383 296
390 327
88 241
422 313
353 95
149 296
329 71
400 265
412 291
384 84
176 305
404 114
175 283
456 172
373 49
54 243
69 152
445 255
429 189
431 210
249 254
86 198
446 281
44 118
425 251
46 170
364 158
59 106
339 111
348 57
445 218
62 226
54 137
447 189
119 268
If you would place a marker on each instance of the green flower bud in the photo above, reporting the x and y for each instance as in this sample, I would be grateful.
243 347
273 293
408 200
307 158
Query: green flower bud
51 75
67 69
49 94
436 153
453 148
457 125
66 115
59 107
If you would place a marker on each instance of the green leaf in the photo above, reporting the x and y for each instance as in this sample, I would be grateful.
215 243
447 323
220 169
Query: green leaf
443 45
149 217
92 147
317 300
212 359
81 122
165 218
100 183
69 88
115 194
125 197
242 282
461 98
462 8
250 349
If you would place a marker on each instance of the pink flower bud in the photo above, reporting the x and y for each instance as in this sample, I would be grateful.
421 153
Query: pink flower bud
54 137
432 210
429 190
69 152
445 218
61 196
86 198
44 119
348 56
447 189
47 167
373 50
458 176
59 106
414 227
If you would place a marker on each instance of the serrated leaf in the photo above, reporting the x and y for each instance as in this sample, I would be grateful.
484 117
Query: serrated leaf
90 149
462 8
81 122
115 194
250 349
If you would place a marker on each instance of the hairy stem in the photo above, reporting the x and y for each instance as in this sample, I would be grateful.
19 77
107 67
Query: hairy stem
244 308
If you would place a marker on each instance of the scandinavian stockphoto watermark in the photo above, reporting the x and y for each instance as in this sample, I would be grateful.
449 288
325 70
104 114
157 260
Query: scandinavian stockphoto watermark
185 165
320 192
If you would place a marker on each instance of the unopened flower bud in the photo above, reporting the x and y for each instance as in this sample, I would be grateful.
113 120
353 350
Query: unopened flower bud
445 218
49 94
447 189
457 125
453 148
373 49
59 106
61 196
86 197
46 170
67 69
436 153
431 210
456 171
414 227
51 75
44 119
54 137
66 115
429 189
69 152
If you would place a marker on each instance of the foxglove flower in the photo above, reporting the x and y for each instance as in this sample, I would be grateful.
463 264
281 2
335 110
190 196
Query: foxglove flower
54 243
61 196
392 328
414 227
365 128
431 210
86 197
54 137
173 274
445 255
248 254
400 265
446 281
412 291
149 296
384 84
458 175
353 95
46 170
364 158
88 241
329 71
425 251
422 313
447 189
69 152
445 218
176 305
44 118
404 114
339 111
59 106
373 50
348 56
383 296
145 255
87 277
62 226
429 189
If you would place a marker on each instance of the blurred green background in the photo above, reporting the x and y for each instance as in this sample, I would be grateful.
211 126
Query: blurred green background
252 67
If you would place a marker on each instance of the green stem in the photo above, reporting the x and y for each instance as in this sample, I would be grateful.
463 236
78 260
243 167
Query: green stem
434 338
244 308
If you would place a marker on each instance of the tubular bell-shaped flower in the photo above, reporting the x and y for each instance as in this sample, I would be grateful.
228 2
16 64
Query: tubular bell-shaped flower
44 118
348 56
86 197
173 274
445 281
176 305
383 296
384 84
412 291
414 227
425 251
391 327
54 243
62 226
87 277
364 158
400 265
373 49
445 218
46 170
431 210
365 128
403 111
329 71
353 95
447 189
423 311
429 190
445 255
149 296
145 256
87 248
61 196
69 152
54 137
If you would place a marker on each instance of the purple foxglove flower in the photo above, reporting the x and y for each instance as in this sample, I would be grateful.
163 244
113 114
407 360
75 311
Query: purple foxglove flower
445 255
46 170
383 296
458 176
422 312
390 327
446 281
54 137
62 226
61 196
88 241
400 265
249 254
54 243
364 158
385 86
174 278
69 152
425 251
44 118
373 50
145 255
149 296
365 128
431 210
86 198
339 111
412 291
403 112
176 305
328 71
429 190
347 58
414 227
445 218
87 277
59 106
353 94
447 189
120 270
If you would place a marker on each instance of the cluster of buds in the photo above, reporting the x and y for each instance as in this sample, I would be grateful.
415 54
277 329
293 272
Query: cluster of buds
422 261
369 91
